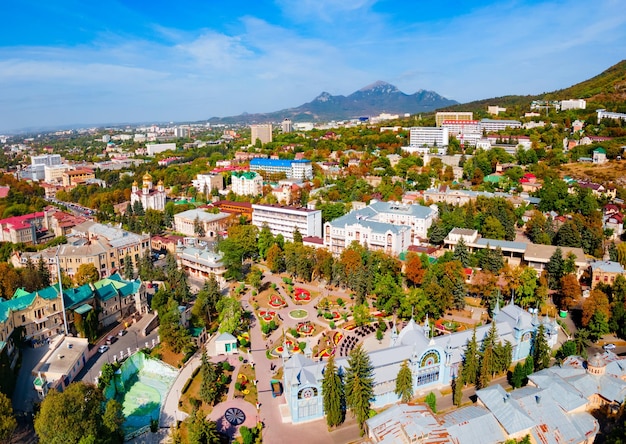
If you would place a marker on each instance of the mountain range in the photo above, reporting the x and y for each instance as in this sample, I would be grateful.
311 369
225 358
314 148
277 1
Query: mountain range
370 100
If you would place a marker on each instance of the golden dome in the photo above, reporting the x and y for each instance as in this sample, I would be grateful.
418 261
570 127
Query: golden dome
135 183
147 176
160 182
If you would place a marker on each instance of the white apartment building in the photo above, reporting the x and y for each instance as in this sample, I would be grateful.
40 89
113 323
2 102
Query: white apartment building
573 104
293 169
286 126
262 132
284 220
495 110
604 114
154 148
205 183
491 125
37 170
422 138
181 132
54 173
247 183
468 132
452 115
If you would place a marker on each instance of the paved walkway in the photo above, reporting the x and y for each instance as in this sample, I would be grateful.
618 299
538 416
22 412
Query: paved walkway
218 414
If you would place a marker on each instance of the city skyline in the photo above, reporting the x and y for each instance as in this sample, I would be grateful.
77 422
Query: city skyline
66 63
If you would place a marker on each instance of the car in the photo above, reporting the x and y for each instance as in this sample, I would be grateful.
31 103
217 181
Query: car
103 348
609 346
111 340
122 332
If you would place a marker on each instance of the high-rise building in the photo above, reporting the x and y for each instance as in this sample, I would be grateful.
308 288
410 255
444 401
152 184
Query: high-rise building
262 132
286 126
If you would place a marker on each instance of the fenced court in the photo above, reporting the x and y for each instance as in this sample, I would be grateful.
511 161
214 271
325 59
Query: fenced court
141 385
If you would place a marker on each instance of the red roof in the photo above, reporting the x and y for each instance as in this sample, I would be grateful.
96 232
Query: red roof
4 192
21 222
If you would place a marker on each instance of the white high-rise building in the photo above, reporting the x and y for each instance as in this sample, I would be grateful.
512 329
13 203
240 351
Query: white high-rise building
423 138
38 165
286 126
284 219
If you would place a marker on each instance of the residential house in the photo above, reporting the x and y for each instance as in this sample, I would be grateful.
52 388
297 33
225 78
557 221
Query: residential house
605 272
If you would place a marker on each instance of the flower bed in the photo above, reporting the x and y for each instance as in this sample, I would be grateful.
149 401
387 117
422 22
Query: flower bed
276 301
305 328
337 337
326 353
267 315
302 295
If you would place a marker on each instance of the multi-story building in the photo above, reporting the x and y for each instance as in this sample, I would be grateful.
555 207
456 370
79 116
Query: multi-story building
292 169
261 132
388 226
201 263
605 272
573 104
452 115
286 126
154 148
206 183
38 165
148 196
491 125
71 178
23 229
54 173
247 183
243 209
285 219
422 139
468 132
212 223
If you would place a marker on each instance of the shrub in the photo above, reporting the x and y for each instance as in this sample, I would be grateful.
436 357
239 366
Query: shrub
431 400
302 345
379 335
240 358
154 425
340 302
273 286
328 315
287 280
265 328
331 324
226 366
195 402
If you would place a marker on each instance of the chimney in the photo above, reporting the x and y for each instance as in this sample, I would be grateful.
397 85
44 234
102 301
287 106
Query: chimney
537 399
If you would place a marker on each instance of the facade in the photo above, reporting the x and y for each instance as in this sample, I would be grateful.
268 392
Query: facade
599 156
71 178
434 361
212 223
148 196
22 229
491 125
428 136
573 104
226 344
154 148
468 132
605 272
261 132
62 365
205 183
285 219
201 263
247 183
388 226
54 173
286 126
452 115
239 209
38 165
292 169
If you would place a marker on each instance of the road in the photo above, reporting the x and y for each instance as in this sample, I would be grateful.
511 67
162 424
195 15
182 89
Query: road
132 340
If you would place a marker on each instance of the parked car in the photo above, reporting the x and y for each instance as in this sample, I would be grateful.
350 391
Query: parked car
609 346
103 348
122 332
111 339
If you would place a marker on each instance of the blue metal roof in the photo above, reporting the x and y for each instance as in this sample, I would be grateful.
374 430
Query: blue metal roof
271 163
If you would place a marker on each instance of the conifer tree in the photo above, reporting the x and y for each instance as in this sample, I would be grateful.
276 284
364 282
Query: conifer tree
129 270
518 376
333 394
541 350
470 361
404 383
359 385
457 389
461 253
208 387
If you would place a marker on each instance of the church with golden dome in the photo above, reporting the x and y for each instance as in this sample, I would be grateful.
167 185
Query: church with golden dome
149 197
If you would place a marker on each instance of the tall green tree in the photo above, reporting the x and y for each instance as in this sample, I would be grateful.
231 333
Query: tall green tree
8 422
457 389
555 269
43 272
333 394
461 253
541 349
206 301
129 269
471 360
208 387
200 430
359 383
404 383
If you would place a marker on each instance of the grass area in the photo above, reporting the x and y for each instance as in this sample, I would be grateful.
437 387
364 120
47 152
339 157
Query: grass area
193 391
262 300
165 354
608 172
250 374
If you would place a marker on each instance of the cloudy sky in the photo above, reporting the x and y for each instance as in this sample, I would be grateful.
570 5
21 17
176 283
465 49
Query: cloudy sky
67 62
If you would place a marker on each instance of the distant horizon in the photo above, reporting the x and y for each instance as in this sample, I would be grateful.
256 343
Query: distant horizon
124 62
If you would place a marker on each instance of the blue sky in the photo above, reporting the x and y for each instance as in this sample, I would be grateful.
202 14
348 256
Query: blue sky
68 62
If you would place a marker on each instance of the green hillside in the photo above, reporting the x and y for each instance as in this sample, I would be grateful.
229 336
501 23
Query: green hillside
606 90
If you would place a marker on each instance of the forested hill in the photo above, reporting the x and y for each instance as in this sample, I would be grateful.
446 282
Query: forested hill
606 90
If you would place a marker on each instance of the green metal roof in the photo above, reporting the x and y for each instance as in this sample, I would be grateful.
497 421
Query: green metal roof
85 308
73 297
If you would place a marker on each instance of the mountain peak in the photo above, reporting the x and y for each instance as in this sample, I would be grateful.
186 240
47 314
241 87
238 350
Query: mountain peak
323 97
380 86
